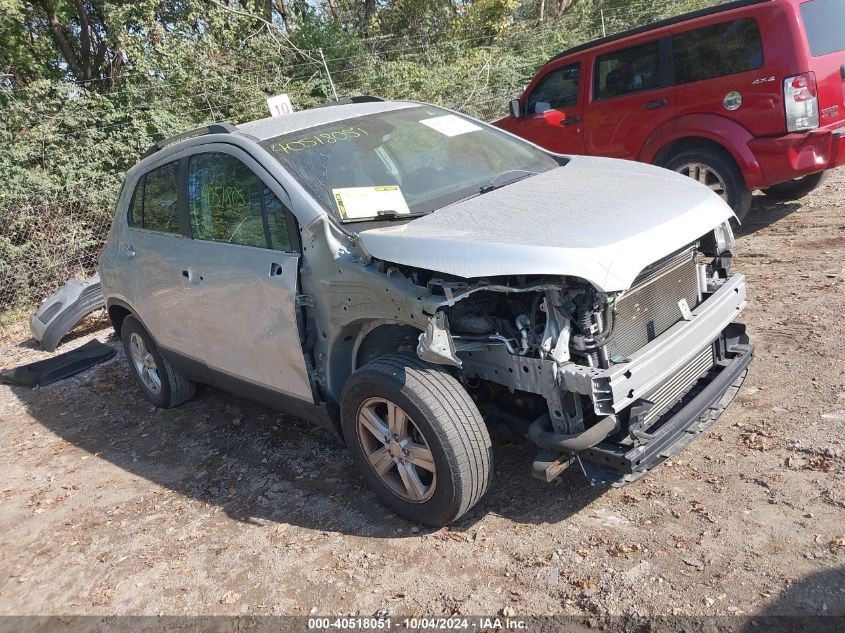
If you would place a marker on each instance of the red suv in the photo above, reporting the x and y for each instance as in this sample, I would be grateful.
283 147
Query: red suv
742 96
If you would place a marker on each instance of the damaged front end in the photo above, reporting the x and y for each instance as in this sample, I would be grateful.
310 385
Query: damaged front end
616 381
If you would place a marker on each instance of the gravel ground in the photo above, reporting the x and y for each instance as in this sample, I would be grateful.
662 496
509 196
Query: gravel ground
224 507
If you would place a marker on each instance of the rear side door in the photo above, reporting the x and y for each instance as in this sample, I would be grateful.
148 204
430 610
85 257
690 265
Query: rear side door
824 24
553 111
719 69
631 96
149 252
239 273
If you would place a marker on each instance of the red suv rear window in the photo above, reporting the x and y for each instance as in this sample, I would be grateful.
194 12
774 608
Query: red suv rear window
824 21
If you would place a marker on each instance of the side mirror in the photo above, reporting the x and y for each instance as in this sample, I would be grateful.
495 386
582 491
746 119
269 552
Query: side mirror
515 108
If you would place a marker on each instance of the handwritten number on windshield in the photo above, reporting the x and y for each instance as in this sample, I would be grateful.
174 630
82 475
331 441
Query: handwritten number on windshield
325 138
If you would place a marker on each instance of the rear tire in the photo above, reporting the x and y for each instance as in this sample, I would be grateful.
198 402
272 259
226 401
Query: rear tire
795 189
398 403
160 383
716 169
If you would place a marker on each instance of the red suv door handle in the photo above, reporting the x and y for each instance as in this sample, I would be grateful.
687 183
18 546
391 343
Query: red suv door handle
657 103
571 120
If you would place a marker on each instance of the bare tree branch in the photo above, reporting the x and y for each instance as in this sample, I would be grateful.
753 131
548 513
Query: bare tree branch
271 28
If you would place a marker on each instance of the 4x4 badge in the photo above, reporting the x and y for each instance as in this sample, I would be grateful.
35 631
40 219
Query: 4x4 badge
831 113
763 80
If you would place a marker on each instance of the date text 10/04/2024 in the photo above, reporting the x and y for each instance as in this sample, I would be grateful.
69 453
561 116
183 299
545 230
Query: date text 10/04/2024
418 623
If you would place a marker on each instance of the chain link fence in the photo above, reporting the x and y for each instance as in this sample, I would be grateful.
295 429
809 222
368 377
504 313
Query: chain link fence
50 238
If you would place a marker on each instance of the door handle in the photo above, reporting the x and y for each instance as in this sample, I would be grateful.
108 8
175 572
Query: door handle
657 103
571 120
128 249
276 269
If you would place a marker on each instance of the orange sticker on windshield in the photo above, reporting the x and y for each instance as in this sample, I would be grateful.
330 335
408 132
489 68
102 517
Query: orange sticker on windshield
361 203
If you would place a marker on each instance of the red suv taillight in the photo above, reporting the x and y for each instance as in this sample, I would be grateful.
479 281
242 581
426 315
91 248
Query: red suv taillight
801 97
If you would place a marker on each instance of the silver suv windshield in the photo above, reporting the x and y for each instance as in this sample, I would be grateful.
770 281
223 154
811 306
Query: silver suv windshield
403 163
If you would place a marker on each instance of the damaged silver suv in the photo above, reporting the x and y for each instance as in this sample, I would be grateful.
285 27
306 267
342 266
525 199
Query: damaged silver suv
407 276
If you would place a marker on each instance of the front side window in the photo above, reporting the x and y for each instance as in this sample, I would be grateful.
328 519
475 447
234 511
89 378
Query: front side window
824 21
155 201
628 71
403 163
228 203
717 51
556 91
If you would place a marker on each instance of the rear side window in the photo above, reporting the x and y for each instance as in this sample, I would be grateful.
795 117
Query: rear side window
627 71
229 203
155 201
716 51
557 90
824 21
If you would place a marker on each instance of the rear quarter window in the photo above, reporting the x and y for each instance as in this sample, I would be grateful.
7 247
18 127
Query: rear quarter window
824 21
716 51
155 201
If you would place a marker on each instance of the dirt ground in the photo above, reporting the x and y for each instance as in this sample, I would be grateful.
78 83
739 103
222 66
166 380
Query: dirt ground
110 506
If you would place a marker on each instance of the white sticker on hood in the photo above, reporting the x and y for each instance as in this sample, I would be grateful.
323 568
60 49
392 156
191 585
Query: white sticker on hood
360 203
451 125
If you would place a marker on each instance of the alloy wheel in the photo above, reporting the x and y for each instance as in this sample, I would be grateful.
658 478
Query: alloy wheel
707 176
144 363
396 450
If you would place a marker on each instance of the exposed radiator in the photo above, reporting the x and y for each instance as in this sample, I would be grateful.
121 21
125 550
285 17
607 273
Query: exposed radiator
672 390
650 307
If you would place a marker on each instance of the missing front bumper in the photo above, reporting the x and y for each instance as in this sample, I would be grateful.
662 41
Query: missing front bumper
617 464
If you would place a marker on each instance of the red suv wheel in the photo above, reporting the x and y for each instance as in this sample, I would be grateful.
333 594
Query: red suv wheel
717 171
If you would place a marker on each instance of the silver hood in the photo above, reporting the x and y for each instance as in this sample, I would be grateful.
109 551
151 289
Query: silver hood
599 219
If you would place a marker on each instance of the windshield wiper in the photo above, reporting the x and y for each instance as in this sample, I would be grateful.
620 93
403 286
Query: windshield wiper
490 186
386 214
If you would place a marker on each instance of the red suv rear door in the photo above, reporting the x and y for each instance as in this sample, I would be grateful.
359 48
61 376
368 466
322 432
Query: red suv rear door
824 23
719 70
552 110
631 96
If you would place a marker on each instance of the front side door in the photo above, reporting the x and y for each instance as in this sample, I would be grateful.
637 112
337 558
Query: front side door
239 275
632 96
553 111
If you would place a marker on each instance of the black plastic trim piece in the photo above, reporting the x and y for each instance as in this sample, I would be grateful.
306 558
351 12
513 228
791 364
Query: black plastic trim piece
349 100
50 370
320 414
617 464
214 128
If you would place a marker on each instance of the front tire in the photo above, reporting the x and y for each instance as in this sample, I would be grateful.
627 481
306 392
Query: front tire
417 438
717 170
160 383
795 189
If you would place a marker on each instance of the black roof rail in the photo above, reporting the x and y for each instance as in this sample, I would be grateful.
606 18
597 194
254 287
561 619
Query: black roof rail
213 128
348 100
653 26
